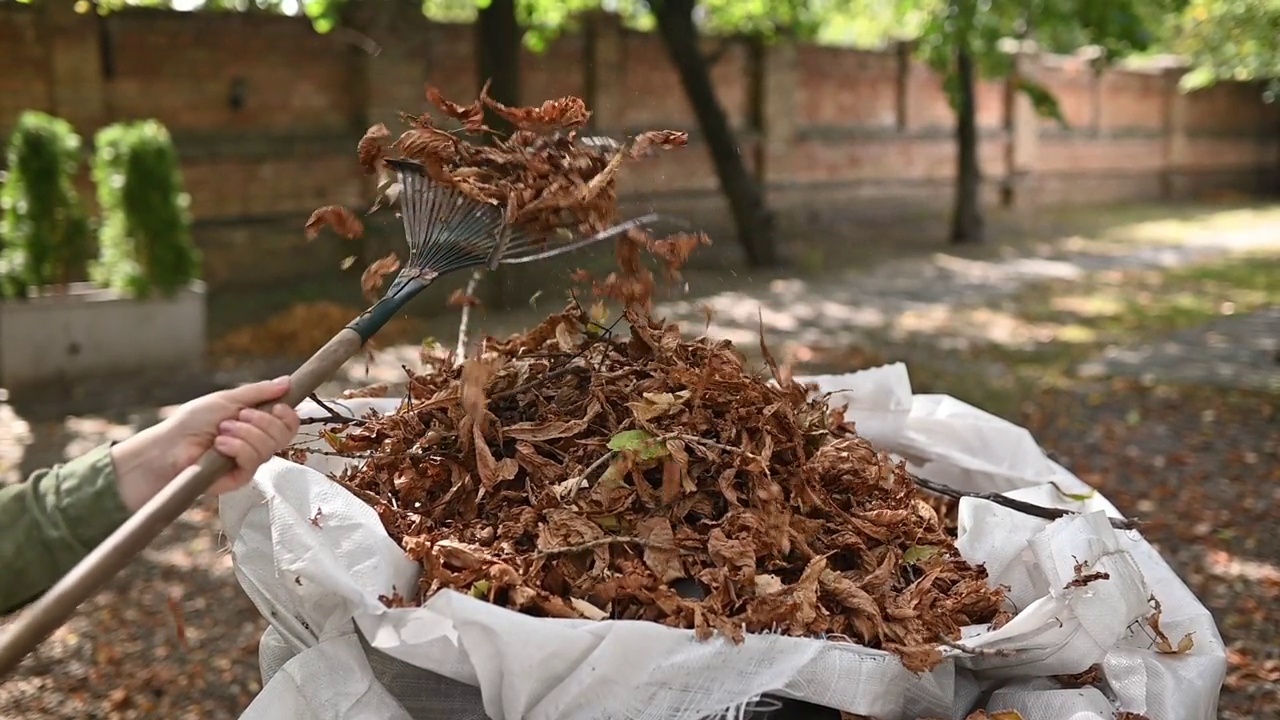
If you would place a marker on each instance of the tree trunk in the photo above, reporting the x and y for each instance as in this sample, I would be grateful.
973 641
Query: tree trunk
752 219
498 38
498 44
966 218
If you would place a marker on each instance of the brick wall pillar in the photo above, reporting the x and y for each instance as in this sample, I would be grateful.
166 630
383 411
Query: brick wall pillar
404 39
778 82
77 90
1175 134
1023 125
605 69
904 51
385 83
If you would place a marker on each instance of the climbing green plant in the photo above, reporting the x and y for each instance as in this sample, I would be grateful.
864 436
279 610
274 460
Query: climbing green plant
145 243
44 227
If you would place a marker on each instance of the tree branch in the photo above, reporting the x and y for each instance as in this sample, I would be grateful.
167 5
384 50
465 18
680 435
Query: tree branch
460 355
333 417
1021 506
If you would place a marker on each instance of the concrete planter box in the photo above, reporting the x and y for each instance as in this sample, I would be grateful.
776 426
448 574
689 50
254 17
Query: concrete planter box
88 331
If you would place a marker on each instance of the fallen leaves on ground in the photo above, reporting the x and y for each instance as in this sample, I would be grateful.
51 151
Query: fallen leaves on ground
171 636
569 473
300 330
1201 466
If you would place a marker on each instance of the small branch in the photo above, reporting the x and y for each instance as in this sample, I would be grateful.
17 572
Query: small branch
564 369
460 355
333 417
980 652
717 445
411 455
1026 508
576 483
600 542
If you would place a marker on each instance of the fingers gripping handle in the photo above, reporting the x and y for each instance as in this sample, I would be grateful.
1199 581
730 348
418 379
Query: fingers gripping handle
99 566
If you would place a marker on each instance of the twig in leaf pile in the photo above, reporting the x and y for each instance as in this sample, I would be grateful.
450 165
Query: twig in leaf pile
576 483
460 354
571 486
717 445
980 652
1021 506
564 369
332 418
601 542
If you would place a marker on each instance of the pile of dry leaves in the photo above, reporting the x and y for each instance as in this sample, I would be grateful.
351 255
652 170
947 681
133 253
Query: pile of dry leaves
571 473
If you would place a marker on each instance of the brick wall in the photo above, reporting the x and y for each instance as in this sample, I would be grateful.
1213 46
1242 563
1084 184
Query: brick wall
265 113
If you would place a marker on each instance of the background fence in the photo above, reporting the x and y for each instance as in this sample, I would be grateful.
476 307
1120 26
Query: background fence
266 112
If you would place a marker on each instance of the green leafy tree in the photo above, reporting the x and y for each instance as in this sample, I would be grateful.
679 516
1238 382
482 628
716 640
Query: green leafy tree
1230 40
145 244
45 232
965 40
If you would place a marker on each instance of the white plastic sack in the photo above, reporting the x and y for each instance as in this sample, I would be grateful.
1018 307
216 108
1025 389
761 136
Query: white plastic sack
313 557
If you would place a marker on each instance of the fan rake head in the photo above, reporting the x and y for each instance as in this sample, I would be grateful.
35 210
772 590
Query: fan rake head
447 231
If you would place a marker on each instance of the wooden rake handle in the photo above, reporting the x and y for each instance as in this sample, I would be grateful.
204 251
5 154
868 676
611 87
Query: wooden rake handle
48 613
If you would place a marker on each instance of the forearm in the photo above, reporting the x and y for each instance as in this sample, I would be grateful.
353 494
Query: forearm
51 521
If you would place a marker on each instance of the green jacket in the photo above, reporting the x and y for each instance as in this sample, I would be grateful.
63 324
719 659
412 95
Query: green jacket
51 521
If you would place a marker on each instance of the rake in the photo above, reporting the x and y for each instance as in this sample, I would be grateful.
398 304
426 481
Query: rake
446 232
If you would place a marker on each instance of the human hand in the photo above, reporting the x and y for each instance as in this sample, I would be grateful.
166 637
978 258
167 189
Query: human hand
227 421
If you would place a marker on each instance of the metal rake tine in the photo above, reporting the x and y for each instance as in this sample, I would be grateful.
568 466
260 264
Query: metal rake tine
601 141
602 235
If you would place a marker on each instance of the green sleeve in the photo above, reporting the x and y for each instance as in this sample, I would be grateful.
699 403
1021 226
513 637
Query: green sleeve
51 521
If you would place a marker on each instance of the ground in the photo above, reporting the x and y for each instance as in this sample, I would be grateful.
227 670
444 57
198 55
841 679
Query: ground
1140 345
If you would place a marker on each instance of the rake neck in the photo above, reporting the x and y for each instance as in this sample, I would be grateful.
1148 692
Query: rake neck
381 312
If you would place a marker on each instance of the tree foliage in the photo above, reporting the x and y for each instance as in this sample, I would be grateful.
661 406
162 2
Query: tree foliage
45 231
1230 40
989 29
145 243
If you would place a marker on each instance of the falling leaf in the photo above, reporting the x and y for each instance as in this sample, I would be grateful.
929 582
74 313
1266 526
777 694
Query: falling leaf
471 116
371 148
561 114
459 298
343 221
372 278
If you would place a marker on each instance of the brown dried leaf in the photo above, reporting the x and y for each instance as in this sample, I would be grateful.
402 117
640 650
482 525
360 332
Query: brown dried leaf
342 220
372 278
566 113
372 148
660 553
645 143
1162 642
471 116
459 298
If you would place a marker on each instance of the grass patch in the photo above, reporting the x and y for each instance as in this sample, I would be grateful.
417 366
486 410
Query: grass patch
1074 321
1122 307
